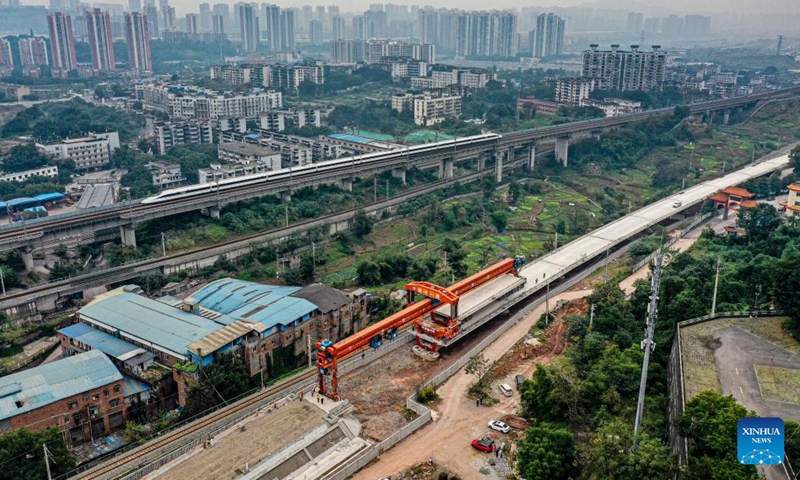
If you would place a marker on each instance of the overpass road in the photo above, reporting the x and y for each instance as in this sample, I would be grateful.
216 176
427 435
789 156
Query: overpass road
78 227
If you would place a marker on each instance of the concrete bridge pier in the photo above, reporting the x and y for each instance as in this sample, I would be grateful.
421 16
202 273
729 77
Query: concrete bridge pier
128 235
27 258
399 173
710 117
285 195
498 167
212 212
481 162
562 150
531 156
726 116
446 167
346 184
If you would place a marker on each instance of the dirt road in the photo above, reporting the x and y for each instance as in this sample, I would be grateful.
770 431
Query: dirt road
457 421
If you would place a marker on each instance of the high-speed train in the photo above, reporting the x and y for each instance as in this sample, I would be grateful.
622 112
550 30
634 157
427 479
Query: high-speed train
287 173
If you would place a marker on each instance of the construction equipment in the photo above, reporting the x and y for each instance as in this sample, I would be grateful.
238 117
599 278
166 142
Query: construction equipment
330 354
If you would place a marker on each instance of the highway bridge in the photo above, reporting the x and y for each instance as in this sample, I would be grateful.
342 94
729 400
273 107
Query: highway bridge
122 218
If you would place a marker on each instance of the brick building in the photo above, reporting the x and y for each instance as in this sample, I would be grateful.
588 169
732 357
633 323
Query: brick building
82 395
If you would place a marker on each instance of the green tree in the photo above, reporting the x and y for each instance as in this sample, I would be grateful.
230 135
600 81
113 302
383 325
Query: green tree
362 224
478 366
794 156
709 424
759 221
369 273
22 455
222 381
24 157
499 220
786 278
546 452
792 443
608 455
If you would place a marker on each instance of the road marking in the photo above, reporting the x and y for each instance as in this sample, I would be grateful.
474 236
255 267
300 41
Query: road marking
742 391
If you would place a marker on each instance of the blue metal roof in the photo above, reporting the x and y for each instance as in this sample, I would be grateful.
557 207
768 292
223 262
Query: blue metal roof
21 201
131 386
96 339
350 138
50 197
269 305
3 205
45 384
149 321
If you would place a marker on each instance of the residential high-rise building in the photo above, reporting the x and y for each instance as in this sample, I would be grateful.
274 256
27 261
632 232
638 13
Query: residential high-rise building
101 42
696 26
672 26
651 26
168 14
635 23
248 25
193 23
348 51
305 16
617 69
217 24
485 34
205 17
134 5
6 59
271 16
315 32
429 26
32 52
137 36
62 44
223 10
287 30
338 28
320 15
548 39
152 20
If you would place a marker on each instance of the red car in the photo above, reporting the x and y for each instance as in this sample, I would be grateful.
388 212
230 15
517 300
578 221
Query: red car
484 444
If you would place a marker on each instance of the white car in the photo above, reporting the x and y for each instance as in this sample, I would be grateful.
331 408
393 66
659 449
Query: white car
676 204
499 426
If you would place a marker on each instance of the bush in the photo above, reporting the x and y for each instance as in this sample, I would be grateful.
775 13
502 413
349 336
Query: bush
427 395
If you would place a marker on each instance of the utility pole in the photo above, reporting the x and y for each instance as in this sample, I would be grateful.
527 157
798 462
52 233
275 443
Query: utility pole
387 189
547 305
308 348
163 245
286 210
647 344
605 275
374 189
591 317
47 461
555 245
780 44
3 281
313 259
716 284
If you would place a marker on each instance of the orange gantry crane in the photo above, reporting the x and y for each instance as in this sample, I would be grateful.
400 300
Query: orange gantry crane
329 354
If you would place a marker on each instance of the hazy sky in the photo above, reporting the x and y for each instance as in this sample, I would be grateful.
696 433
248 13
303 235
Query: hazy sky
674 6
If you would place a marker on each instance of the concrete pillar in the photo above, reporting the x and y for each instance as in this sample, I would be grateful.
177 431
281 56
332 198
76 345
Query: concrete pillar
562 149
285 196
212 212
498 167
726 116
447 168
531 156
346 184
399 173
710 117
725 211
128 235
27 258
481 162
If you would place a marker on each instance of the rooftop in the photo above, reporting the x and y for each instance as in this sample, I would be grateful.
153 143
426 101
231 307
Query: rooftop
325 298
98 340
739 192
244 148
31 389
148 320
269 305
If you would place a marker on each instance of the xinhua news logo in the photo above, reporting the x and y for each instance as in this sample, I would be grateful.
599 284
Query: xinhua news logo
760 441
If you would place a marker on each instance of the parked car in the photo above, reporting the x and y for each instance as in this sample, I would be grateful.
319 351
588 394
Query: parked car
519 379
676 204
484 444
505 389
499 426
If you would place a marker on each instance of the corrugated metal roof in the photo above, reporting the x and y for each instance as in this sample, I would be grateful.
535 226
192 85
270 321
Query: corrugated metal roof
267 304
324 297
108 344
150 320
350 138
222 337
45 384
49 197
131 386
